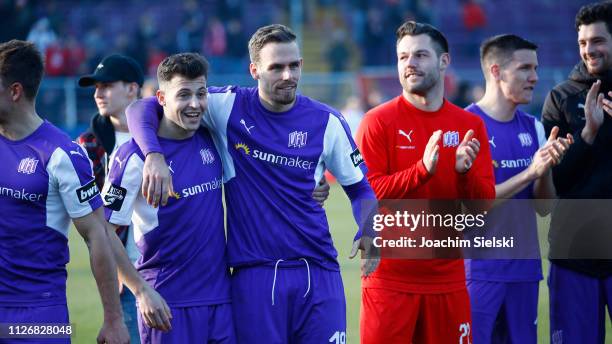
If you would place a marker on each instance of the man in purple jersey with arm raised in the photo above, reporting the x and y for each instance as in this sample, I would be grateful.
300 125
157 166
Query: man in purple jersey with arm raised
275 145
504 292
46 181
182 244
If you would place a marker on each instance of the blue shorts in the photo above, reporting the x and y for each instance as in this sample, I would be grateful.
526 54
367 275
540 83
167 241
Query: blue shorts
577 306
292 302
198 324
34 315
504 312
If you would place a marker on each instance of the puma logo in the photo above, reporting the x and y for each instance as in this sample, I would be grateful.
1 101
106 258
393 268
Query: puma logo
119 161
403 133
248 129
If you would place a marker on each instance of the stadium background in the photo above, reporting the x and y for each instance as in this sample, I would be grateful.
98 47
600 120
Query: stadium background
348 49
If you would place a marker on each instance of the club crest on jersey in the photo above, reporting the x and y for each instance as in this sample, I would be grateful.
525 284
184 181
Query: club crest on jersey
297 139
114 196
27 165
207 156
356 157
451 139
525 139
87 191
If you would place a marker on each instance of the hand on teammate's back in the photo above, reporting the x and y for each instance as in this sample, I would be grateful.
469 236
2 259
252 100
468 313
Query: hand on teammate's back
321 192
466 152
156 180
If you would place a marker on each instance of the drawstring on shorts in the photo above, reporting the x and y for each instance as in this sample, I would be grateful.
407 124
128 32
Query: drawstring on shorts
276 270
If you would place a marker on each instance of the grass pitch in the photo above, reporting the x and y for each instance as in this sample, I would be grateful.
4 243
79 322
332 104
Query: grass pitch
86 310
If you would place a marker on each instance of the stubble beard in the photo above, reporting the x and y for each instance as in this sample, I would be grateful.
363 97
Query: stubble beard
422 88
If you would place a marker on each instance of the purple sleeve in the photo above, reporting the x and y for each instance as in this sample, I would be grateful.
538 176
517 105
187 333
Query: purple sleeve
143 121
365 206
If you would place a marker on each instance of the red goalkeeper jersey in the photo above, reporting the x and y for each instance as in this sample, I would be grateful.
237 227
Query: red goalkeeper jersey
392 139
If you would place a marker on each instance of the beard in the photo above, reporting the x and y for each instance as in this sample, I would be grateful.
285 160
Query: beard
283 97
601 68
427 82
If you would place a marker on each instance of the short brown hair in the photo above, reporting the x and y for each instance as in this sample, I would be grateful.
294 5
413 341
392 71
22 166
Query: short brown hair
501 47
596 12
412 28
189 65
21 62
275 33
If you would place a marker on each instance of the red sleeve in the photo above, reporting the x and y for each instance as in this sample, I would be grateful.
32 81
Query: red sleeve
376 151
479 182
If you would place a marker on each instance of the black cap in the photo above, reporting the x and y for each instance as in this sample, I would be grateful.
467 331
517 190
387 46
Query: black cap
114 68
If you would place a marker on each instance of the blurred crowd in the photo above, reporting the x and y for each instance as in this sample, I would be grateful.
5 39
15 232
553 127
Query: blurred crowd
338 35
73 38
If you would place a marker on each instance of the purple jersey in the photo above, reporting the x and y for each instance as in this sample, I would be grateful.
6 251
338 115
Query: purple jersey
45 181
271 163
182 244
513 145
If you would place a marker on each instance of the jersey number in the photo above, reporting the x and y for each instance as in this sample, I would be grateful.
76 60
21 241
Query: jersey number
338 338
464 331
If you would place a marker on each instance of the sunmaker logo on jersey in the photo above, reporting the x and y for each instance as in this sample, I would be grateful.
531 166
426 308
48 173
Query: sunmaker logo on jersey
200 188
512 163
276 159
22 194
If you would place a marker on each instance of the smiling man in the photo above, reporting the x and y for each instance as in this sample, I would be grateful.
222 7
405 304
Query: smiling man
185 238
117 81
420 146
275 145
504 292
580 289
